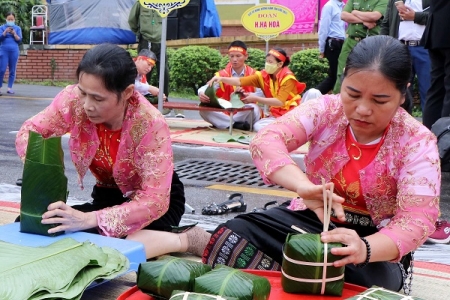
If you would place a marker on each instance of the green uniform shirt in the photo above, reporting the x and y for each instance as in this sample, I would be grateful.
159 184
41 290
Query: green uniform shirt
357 30
146 22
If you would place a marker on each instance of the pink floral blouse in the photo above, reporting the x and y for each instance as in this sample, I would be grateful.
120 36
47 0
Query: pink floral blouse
144 163
407 164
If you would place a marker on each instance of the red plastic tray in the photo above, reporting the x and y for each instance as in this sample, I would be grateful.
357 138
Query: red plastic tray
276 291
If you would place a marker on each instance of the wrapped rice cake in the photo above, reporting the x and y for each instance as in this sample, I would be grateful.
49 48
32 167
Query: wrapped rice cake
308 266
182 295
229 282
379 293
161 277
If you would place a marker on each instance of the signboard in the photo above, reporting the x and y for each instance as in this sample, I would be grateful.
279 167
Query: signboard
267 20
163 7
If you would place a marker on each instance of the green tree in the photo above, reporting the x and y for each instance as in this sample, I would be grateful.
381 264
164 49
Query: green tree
308 68
22 10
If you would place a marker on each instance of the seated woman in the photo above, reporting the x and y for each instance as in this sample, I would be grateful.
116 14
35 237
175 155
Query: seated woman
383 162
124 141
279 85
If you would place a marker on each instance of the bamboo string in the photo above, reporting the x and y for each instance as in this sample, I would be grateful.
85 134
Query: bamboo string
327 204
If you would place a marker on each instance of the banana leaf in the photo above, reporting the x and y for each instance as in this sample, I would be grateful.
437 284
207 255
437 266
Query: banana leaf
43 182
302 267
61 270
379 293
182 295
229 282
161 277
235 101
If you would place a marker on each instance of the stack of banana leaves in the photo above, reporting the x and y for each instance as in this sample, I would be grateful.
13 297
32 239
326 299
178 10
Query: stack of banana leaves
168 273
304 270
379 293
62 270
182 295
43 182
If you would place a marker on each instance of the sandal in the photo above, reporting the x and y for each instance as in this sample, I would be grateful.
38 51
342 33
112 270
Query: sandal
261 209
235 203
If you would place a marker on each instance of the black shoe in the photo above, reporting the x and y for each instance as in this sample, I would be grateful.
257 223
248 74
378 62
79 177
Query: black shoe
235 203
241 125
19 182
261 209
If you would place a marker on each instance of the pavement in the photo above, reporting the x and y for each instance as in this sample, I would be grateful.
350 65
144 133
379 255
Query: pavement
193 139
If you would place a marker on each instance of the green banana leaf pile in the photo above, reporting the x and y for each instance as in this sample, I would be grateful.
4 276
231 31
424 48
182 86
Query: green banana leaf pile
301 250
235 100
229 282
43 182
62 270
379 293
166 274
182 295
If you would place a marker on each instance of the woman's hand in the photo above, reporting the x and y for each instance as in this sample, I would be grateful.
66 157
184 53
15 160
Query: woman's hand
215 79
355 251
313 198
67 218
203 98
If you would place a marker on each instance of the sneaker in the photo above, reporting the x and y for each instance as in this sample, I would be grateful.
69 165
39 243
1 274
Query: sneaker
179 116
442 233
167 112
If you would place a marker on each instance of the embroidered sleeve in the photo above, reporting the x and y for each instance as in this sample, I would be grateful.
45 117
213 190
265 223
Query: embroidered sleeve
418 193
53 121
151 177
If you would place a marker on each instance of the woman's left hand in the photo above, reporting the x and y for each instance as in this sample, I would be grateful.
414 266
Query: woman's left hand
354 251
67 218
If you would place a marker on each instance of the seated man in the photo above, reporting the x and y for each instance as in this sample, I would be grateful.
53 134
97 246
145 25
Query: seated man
237 53
145 62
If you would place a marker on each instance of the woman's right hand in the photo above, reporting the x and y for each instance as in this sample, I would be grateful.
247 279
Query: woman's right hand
203 98
214 80
312 196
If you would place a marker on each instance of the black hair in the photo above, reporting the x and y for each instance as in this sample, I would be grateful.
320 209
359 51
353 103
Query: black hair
384 54
112 64
10 13
286 62
238 43
148 53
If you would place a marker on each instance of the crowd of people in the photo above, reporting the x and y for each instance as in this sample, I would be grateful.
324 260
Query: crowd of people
383 163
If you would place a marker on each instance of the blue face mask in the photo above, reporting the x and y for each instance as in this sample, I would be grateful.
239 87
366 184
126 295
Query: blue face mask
10 23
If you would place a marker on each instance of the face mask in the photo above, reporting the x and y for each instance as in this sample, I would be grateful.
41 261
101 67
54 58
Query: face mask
270 68
10 23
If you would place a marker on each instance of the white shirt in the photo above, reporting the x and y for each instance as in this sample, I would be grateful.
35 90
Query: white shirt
140 86
408 30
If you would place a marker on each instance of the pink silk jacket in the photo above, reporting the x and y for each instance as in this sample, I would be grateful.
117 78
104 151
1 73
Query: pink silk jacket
407 164
144 164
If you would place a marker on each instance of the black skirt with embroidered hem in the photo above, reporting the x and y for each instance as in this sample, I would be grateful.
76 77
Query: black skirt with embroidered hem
255 241
108 197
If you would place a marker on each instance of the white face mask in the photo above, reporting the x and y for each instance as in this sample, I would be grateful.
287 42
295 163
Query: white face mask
270 68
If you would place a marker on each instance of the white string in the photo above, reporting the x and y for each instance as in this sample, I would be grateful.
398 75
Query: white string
366 294
311 280
306 263
186 295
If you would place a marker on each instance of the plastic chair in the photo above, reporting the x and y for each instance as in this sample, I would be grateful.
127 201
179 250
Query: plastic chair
38 27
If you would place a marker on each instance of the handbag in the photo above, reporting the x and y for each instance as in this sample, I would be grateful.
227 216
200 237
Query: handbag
441 128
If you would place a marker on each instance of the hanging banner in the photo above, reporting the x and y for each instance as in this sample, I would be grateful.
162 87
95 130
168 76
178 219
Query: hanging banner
305 12
163 7
267 20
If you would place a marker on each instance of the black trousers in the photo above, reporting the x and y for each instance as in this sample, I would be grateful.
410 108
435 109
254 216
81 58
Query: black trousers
268 230
437 104
156 48
107 197
332 50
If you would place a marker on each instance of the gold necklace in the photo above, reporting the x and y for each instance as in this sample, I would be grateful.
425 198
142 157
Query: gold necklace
353 156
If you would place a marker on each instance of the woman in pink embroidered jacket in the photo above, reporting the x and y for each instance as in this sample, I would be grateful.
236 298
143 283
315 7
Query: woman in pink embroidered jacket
124 141
383 163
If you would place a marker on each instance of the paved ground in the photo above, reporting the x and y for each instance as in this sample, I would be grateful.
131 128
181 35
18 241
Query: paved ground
29 99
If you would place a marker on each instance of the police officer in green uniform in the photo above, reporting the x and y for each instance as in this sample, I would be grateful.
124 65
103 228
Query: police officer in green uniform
363 18
147 25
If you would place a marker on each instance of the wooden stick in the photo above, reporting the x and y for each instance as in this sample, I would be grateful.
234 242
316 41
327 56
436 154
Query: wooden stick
298 229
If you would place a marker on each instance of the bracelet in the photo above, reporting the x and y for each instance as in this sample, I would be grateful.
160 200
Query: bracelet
366 262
